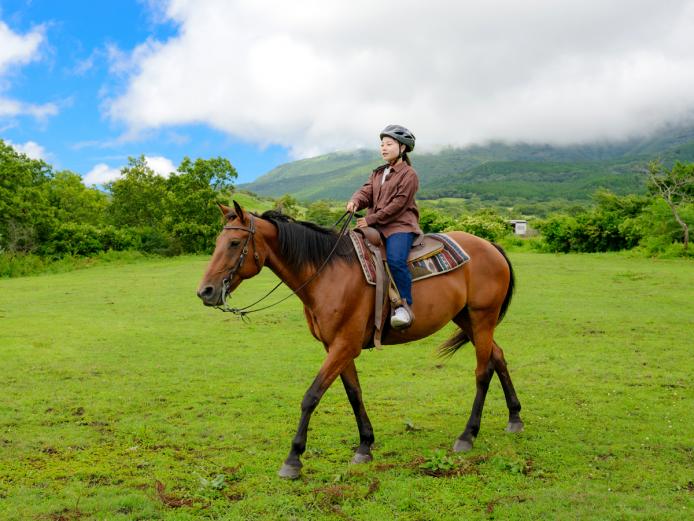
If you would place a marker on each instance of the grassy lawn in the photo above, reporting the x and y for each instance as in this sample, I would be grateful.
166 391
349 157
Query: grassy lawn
122 397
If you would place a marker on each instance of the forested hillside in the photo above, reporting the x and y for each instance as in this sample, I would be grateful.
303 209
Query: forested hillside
493 172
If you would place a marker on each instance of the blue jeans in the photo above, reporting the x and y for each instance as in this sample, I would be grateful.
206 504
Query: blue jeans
398 248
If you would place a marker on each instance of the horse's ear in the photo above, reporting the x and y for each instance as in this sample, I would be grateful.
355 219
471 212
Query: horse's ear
239 212
225 210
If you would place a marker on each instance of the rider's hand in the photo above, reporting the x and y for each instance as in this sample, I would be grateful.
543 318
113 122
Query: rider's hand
361 223
351 206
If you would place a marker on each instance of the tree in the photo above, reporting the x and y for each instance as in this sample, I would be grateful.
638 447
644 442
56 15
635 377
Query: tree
193 192
288 205
73 201
323 213
139 196
675 187
196 188
23 216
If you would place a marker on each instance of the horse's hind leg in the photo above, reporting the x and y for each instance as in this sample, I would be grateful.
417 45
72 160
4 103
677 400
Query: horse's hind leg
481 335
366 434
515 424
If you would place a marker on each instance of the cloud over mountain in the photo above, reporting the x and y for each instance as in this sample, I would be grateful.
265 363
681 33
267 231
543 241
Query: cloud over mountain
317 77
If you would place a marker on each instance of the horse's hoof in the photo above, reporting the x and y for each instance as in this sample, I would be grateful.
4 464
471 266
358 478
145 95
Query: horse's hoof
361 458
289 472
462 446
514 427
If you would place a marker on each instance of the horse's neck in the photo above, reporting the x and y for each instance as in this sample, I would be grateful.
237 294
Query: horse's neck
292 279
279 267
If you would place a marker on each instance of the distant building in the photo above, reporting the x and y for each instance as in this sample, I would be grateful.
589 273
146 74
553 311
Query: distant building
520 226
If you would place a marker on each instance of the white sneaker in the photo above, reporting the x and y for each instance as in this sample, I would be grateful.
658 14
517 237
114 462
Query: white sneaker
401 318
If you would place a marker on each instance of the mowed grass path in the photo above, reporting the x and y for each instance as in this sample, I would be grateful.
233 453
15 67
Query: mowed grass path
122 397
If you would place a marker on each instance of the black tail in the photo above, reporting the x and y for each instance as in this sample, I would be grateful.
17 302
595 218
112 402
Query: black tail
450 346
511 285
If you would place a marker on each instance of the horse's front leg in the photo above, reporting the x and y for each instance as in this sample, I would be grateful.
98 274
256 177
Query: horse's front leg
338 358
366 433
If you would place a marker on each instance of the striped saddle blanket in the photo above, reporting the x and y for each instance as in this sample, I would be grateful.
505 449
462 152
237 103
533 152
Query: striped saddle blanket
447 258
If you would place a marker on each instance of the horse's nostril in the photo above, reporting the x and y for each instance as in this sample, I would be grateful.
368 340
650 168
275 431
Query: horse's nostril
206 292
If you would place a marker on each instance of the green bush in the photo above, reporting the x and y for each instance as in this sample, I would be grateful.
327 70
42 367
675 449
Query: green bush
72 239
323 213
610 226
433 221
119 239
486 224
154 241
20 265
194 238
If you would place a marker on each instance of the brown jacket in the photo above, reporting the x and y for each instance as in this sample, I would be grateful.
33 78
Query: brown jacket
391 205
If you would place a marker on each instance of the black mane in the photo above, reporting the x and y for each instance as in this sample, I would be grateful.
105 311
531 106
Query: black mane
304 243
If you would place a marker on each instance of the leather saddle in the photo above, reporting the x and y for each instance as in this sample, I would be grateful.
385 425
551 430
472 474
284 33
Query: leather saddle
422 247
386 290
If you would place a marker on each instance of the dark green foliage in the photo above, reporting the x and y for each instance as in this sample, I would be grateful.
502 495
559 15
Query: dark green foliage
485 223
72 201
194 237
323 213
172 215
24 213
609 226
433 221
676 188
55 215
288 205
139 197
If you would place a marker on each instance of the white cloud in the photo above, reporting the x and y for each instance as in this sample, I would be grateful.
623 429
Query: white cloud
161 165
101 174
11 108
17 50
30 149
325 77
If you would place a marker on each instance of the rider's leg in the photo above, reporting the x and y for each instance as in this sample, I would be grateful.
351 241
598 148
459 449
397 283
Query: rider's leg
398 247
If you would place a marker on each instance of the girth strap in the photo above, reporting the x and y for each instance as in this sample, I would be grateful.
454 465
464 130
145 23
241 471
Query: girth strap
381 288
385 286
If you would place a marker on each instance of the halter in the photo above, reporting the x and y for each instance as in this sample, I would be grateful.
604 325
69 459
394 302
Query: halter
226 283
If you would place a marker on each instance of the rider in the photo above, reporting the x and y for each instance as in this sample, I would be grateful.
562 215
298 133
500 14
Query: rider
389 196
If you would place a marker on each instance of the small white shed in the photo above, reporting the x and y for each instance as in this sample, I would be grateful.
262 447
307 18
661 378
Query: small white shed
520 226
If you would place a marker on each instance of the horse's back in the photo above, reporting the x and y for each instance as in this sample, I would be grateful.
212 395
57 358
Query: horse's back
488 271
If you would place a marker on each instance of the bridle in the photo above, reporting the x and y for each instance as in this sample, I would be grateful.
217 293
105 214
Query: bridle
226 282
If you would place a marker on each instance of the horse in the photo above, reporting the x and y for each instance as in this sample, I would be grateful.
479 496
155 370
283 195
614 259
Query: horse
339 309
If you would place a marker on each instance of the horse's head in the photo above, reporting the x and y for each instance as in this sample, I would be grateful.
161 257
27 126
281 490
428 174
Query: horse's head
236 256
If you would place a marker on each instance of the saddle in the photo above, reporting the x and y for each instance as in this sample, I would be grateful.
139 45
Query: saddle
377 273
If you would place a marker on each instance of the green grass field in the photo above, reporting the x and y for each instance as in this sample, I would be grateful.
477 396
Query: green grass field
122 397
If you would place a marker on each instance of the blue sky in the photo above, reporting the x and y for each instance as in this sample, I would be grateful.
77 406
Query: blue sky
85 84
72 71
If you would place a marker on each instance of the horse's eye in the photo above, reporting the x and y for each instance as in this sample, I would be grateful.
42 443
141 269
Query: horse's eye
234 242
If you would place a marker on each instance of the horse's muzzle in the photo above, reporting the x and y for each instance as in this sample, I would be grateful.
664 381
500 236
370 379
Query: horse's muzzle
210 295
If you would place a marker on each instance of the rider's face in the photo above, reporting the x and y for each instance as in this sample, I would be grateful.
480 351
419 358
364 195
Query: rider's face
390 149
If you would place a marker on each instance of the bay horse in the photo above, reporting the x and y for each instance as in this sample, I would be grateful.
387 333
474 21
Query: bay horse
339 309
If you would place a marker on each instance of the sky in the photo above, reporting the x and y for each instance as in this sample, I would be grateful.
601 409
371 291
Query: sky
85 84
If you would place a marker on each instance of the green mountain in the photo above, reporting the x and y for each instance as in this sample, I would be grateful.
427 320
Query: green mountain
495 171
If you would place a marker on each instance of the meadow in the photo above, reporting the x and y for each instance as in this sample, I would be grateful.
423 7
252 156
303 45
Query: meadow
122 397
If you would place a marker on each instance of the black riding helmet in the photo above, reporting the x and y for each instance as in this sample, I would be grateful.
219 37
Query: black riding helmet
401 135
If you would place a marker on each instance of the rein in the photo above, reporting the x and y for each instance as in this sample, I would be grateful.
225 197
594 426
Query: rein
226 283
